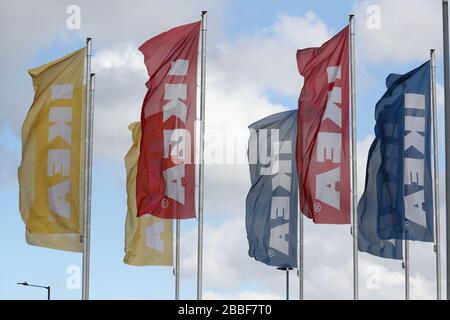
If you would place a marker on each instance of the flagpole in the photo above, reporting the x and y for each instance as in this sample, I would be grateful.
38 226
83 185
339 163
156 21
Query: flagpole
447 134
287 283
87 172
201 167
354 172
300 256
406 267
437 214
177 260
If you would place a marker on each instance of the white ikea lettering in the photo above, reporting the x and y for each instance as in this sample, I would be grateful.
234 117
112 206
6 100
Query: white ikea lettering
177 142
174 188
413 208
326 187
175 107
57 199
329 144
415 101
62 91
58 160
414 168
333 73
153 237
264 157
280 208
179 68
414 138
60 116
281 171
329 147
332 111
279 238
414 171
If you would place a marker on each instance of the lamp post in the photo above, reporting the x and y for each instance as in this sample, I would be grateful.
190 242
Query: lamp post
36 286
287 279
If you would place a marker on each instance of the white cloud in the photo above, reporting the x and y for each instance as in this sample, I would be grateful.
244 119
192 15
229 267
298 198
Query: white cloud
267 58
408 30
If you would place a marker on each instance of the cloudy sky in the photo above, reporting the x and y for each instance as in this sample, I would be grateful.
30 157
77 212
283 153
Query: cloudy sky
251 73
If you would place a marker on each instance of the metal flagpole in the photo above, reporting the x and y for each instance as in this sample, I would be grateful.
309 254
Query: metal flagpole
300 256
354 172
87 171
177 260
437 214
406 267
447 135
201 167
287 283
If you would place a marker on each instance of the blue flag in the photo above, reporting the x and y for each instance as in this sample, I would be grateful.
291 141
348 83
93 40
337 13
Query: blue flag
272 202
404 198
368 240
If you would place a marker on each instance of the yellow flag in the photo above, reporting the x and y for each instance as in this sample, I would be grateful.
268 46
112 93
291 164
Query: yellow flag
148 239
50 174
60 241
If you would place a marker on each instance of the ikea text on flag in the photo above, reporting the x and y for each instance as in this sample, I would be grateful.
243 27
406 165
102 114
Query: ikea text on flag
272 202
403 126
323 159
50 177
166 168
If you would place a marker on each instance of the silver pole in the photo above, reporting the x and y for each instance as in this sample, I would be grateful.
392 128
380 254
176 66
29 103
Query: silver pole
447 135
287 283
406 267
300 256
354 171
177 261
437 214
87 172
201 168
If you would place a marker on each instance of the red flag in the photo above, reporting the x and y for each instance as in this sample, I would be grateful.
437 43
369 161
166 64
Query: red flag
323 158
165 184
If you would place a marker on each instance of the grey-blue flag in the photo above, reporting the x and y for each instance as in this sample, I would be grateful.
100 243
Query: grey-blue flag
272 202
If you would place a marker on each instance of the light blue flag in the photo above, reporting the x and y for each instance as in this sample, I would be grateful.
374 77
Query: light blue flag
272 202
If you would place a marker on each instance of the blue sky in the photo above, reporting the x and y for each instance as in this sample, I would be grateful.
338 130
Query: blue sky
251 74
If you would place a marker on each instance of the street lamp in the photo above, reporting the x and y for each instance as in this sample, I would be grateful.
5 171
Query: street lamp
287 279
36 286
